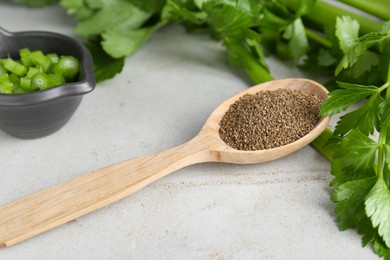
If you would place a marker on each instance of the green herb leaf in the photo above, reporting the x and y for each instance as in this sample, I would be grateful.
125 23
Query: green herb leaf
122 43
370 39
72 6
354 159
189 16
36 3
81 10
229 18
367 230
364 118
381 249
341 99
104 66
347 31
297 41
149 6
349 196
117 14
366 62
94 4
355 52
319 63
378 209
305 7
325 58
370 235
350 57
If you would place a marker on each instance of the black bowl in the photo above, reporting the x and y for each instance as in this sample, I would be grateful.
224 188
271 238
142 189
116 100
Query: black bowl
40 113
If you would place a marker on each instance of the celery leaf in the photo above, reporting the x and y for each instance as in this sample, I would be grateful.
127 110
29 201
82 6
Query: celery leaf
305 7
325 58
104 66
364 118
297 40
347 32
116 14
377 206
349 198
122 43
354 159
370 235
367 61
149 5
355 52
341 99
36 3
229 19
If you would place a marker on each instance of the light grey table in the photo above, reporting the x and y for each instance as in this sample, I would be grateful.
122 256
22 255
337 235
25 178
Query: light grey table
275 210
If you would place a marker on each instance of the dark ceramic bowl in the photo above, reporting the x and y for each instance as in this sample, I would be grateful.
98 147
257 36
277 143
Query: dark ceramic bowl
40 113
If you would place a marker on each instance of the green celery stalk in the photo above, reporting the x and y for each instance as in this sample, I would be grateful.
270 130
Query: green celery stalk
325 14
320 144
257 72
378 8
318 38
383 132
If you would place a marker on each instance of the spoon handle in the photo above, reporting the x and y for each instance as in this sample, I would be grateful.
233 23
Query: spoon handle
59 204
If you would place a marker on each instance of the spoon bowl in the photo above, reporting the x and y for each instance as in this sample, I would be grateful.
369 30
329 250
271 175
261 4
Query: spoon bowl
57 205
227 154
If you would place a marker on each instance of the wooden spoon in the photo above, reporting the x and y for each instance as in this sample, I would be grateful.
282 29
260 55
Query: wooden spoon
57 205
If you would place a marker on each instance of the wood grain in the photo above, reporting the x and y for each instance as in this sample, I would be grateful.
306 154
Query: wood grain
57 205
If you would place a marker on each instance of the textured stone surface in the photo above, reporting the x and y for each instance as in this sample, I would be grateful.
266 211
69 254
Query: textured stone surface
275 210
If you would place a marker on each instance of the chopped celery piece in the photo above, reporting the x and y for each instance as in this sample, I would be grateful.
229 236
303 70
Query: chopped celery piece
14 79
31 72
25 57
3 70
4 77
14 67
67 66
40 60
36 71
40 81
6 85
53 57
25 84
55 80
